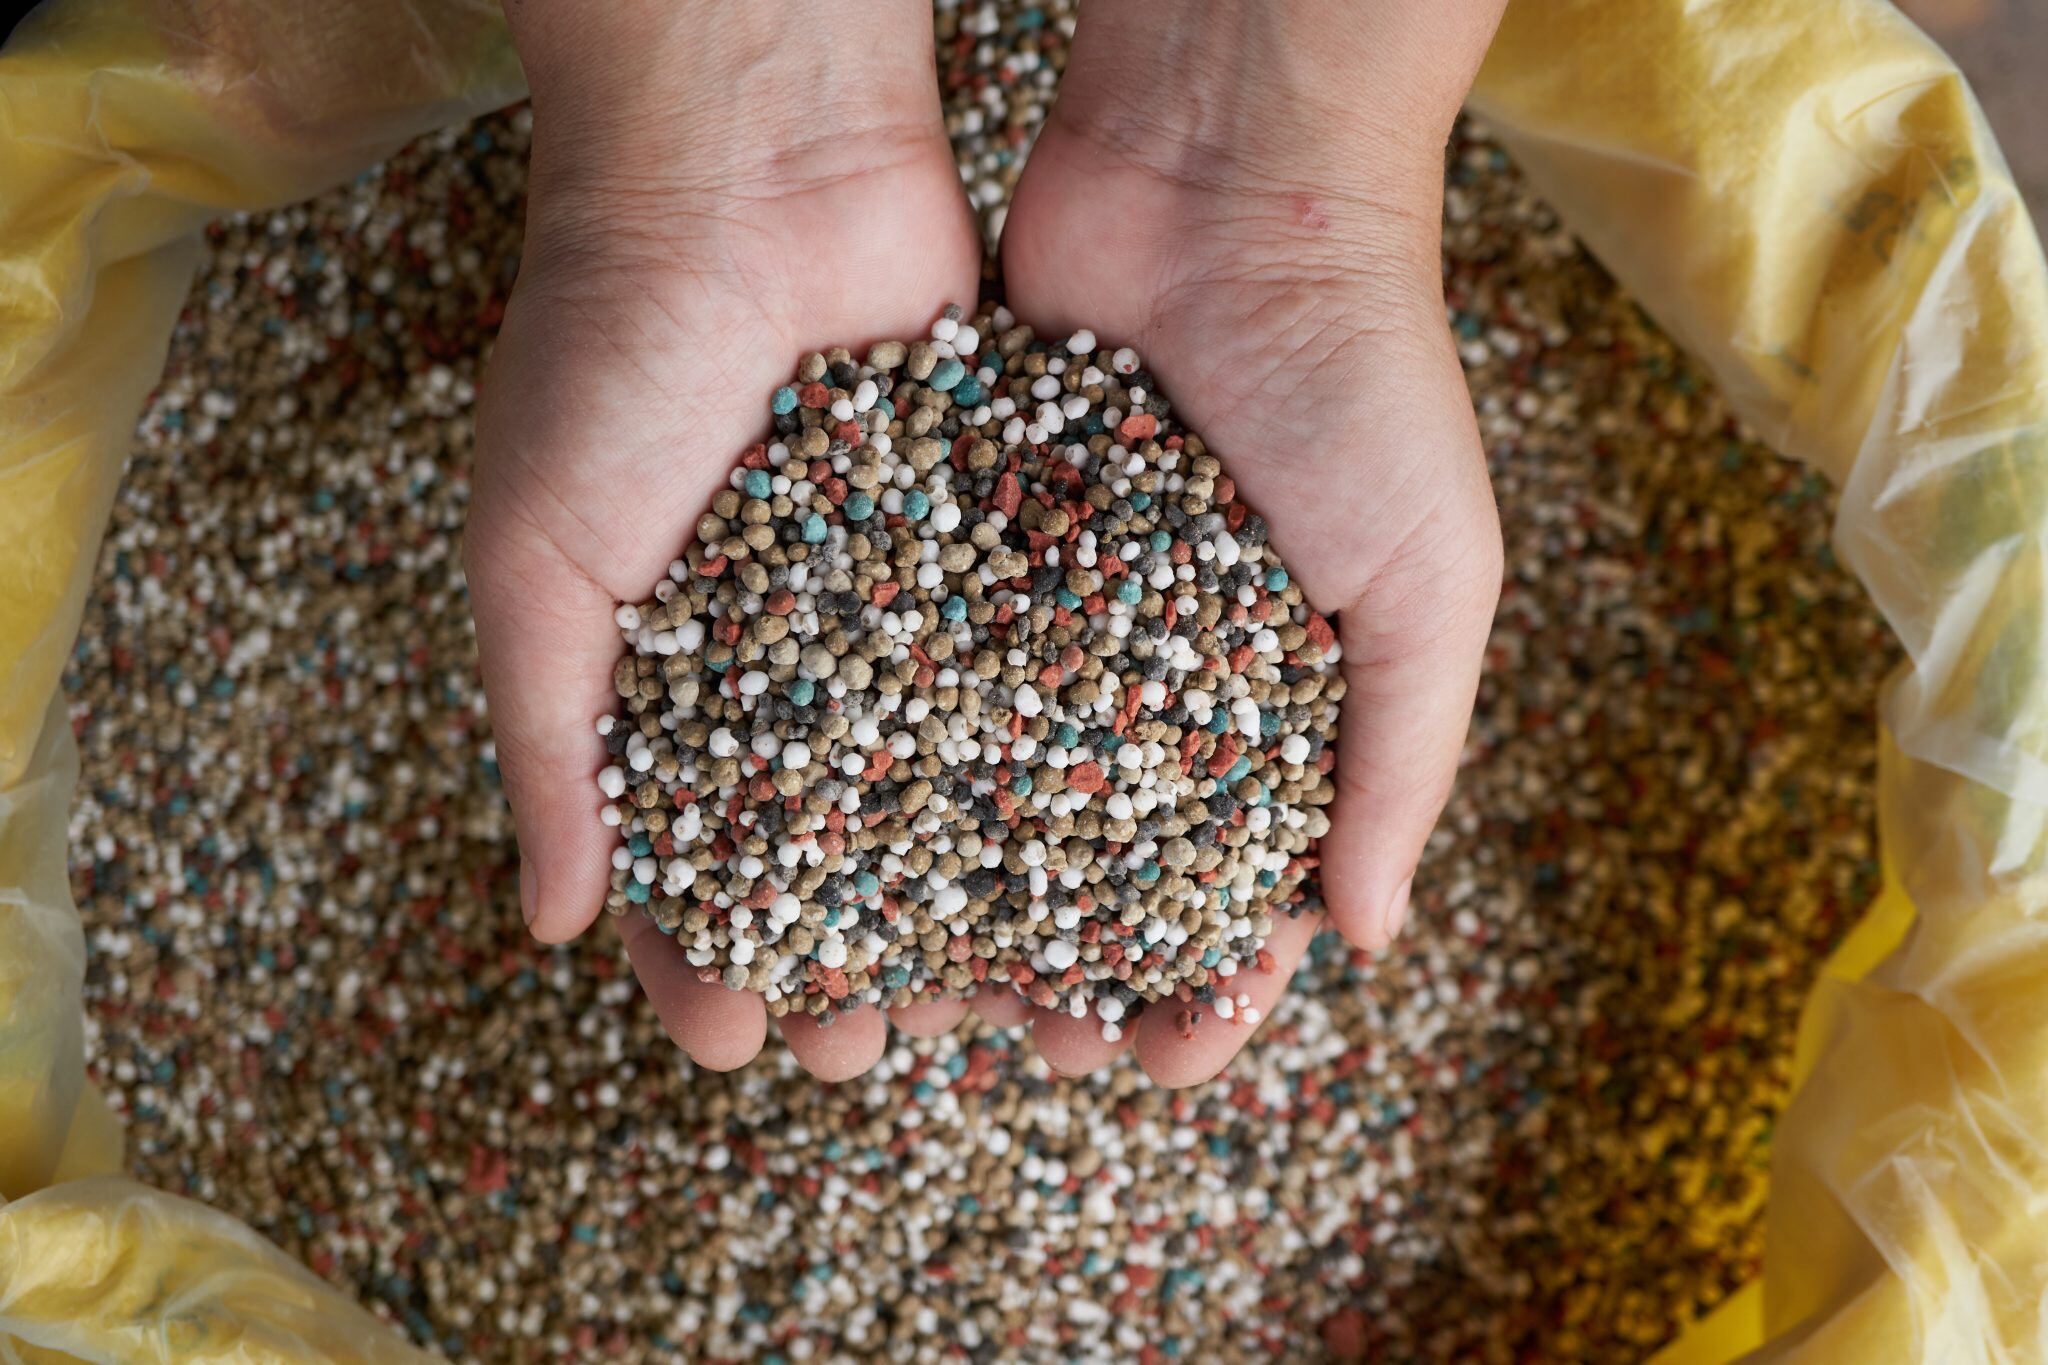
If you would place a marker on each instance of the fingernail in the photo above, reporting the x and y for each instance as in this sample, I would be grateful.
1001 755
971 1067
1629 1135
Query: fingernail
529 891
1397 910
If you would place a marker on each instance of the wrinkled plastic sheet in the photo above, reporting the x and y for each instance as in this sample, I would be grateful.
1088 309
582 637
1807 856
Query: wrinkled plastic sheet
1801 191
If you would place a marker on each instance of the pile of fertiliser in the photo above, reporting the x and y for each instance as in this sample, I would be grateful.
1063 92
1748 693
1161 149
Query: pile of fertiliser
1536 1129
978 671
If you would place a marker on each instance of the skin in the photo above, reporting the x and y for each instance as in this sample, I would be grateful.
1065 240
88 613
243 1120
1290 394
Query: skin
1282 280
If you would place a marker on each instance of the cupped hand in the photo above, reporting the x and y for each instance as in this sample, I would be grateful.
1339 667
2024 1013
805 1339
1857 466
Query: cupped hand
1281 281
711 196
1253 202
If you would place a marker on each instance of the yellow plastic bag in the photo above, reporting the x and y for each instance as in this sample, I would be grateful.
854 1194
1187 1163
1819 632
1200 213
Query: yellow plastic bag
125 126
1801 191
1804 194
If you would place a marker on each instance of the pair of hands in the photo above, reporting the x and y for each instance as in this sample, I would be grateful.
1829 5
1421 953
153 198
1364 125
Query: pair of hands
1249 197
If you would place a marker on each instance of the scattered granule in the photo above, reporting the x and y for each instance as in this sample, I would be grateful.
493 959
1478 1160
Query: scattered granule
976 672
1535 1131
999 69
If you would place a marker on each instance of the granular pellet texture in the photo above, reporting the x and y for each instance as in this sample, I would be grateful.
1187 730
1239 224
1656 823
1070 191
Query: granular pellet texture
1535 1131
999 69
976 672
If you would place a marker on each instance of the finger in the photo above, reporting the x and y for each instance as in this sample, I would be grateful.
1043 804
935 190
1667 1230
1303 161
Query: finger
840 1050
546 644
582 493
1176 1052
719 1029
1411 647
1074 1047
1001 1006
929 1018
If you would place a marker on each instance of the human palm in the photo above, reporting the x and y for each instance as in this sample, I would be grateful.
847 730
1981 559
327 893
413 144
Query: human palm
633 367
1294 315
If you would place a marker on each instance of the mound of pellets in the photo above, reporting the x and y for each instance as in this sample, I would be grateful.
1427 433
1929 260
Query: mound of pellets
978 671
1537 1131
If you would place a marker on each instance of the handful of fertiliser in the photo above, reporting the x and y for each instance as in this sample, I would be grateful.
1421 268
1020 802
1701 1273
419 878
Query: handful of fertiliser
977 672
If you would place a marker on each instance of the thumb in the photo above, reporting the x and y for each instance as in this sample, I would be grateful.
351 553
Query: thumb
1412 647
546 645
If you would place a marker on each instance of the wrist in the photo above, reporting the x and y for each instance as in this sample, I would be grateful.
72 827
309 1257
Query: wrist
1359 94
642 95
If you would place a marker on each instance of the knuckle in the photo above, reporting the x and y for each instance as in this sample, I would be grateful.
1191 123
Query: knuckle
1411 614
1420 787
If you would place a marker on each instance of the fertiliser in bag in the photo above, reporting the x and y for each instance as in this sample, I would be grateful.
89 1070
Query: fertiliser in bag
1832 232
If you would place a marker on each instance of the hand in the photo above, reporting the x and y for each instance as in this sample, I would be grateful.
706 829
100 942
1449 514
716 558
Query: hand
1252 199
714 191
